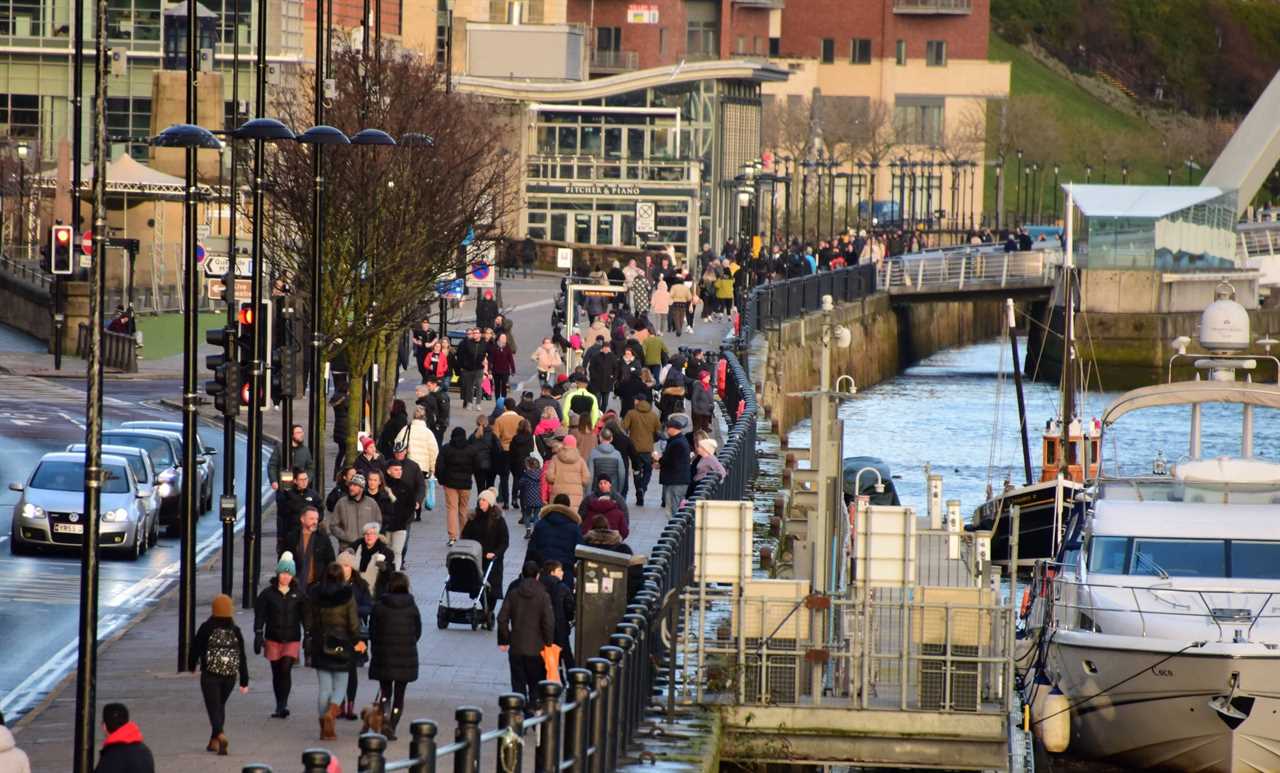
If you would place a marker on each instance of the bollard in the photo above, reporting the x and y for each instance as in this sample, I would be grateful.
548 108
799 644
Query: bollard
258 768
510 748
467 760
549 740
599 732
624 694
630 685
373 749
613 721
313 761
422 745
644 665
576 744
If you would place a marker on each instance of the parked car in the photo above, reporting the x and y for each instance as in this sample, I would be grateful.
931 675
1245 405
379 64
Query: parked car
165 450
50 512
145 473
204 456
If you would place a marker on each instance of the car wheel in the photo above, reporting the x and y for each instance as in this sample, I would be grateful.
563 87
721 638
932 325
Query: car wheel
17 548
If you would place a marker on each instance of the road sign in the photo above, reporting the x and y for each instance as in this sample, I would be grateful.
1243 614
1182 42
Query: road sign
452 289
203 230
646 217
480 275
199 252
216 265
216 288
86 243
564 257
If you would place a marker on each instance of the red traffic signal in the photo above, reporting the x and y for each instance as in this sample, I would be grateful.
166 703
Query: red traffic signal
62 235
245 315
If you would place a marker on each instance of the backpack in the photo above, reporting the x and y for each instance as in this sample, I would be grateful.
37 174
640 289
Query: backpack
581 404
222 655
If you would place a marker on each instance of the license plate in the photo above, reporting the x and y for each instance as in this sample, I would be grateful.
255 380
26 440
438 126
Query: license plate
69 528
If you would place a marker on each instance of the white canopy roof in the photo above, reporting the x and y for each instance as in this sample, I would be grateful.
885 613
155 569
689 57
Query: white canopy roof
127 175
1138 200
1185 520
1193 392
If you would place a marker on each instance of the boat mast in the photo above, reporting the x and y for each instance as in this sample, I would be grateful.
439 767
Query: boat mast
1017 384
1068 339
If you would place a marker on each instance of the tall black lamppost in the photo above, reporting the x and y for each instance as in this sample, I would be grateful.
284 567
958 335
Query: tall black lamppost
1018 193
1056 192
1104 168
1033 193
805 166
831 197
1024 207
848 195
788 169
973 201
1168 175
1088 173
1124 172
874 167
862 173
817 220
999 192
1190 163
23 232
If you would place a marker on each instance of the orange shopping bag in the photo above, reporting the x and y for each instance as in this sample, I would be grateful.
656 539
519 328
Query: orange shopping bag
551 659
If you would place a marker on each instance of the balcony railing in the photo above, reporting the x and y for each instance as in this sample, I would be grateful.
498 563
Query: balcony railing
591 168
614 61
933 6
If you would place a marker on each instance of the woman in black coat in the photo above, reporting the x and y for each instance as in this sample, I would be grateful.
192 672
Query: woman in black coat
394 629
521 448
278 616
487 526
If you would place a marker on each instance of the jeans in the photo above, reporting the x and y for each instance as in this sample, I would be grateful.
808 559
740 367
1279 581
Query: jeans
672 493
643 473
399 541
216 690
333 688
501 382
678 317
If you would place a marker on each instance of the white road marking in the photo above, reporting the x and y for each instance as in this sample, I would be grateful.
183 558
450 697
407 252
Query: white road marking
72 419
63 661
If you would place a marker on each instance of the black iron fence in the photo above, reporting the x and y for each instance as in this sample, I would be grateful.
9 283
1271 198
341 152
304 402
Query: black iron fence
768 305
587 725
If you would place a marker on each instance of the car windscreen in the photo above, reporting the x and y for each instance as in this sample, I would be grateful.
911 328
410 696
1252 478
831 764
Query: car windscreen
56 475
157 447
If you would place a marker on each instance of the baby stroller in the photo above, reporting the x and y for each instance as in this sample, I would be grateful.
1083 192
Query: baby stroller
468 584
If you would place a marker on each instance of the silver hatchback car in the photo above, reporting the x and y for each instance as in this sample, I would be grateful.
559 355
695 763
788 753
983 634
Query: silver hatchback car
50 512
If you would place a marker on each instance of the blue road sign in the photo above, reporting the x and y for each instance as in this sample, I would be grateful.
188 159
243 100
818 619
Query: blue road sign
453 289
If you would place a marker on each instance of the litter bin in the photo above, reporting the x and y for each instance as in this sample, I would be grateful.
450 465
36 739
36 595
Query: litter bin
602 597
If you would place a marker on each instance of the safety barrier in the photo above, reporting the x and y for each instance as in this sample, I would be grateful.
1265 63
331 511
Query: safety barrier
587 725
769 304
119 351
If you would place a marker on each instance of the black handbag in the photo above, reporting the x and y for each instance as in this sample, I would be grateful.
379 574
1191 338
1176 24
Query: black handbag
338 647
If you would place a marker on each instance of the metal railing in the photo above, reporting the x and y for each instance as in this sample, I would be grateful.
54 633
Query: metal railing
769 304
967 269
26 270
592 169
1257 240
933 6
119 351
606 702
607 59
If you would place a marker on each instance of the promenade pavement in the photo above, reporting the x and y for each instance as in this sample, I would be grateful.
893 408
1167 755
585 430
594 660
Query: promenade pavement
457 666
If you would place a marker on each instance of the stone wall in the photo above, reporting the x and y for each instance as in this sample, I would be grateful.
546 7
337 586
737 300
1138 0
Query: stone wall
25 306
886 339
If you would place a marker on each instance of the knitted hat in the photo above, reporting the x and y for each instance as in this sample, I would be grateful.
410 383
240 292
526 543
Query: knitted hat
286 565
368 441
570 441
374 525
357 479
490 495
347 558
222 606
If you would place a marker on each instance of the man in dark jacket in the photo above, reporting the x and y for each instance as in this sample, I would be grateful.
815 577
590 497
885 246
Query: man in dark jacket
312 551
528 409
526 624
123 750
339 489
405 485
602 372
470 359
546 400
435 404
486 310
455 467
299 456
557 535
674 472
562 606
290 501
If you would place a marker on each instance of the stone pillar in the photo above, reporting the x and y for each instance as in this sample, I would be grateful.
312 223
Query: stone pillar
169 106
75 304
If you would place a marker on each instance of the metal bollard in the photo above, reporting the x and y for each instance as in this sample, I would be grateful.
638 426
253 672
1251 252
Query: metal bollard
599 732
510 748
255 768
373 750
576 746
314 761
422 745
467 760
625 692
549 740
613 719
630 686
642 679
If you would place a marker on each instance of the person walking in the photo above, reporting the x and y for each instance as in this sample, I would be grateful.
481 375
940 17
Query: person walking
470 359
278 616
562 607
123 750
435 406
487 526
290 502
403 492
311 551
530 487
660 305
557 535
505 427
502 363
395 626
362 593
681 297
352 512
455 467
674 472
218 650
547 361
526 624
521 448
12 759
299 456
605 460
396 421
333 638
567 473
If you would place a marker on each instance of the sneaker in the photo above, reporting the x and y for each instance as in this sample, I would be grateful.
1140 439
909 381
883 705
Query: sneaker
528 532
451 541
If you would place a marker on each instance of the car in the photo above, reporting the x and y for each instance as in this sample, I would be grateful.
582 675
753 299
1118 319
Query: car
165 449
148 483
204 456
50 511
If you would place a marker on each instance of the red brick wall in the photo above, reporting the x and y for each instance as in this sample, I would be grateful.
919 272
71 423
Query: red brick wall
346 14
806 22
644 38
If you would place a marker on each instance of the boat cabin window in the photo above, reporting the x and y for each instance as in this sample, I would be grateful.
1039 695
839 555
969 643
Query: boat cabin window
1148 556
1050 452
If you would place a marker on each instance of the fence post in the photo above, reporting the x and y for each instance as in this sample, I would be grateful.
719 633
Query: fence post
629 694
599 668
467 760
575 736
510 750
613 720
373 748
422 745
549 742
255 768
313 761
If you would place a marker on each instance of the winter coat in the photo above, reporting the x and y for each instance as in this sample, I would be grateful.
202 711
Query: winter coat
568 474
350 515
494 537
528 411
470 355
506 425
567 400
12 759
586 441
421 444
641 293
375 573
607 539
660 300
316 558
332 614
520 449
395 626
530 488
299 456
124 752
486 312
629 390
526 621
641 425
602 371
700 401
680 293
547 402
604 459
390 431
456 463
502 361
674 467
655 350
200 646
289 506
404 501
556 536
279 616
624 446
547 359
436 406
609 506
706 465
484 449
671 399
562 607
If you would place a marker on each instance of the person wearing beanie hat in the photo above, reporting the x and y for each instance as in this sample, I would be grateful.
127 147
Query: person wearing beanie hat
707 463
352 512
487 526
348 566
277 629
369 459
218 650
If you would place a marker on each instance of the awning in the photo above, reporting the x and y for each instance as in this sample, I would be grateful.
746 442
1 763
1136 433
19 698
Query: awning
127 175
1193 393
1138 200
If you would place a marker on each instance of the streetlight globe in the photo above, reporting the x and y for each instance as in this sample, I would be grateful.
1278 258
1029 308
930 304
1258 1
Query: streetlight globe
23 150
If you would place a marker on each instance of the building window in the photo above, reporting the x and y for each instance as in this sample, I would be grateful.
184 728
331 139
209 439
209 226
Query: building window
20 115
860 51
662 41
741 45
608 38
442 32
900 52
704 40
918 120
24 18
828 50
935 53
559 226
775 46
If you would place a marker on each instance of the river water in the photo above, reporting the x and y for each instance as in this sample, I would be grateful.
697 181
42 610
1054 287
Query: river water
956 412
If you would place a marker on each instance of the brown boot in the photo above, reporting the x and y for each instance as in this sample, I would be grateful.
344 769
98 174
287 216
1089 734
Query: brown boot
222 745
328 729
213 744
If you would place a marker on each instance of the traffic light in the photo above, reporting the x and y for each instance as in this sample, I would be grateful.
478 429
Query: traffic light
253 320
60 241
226 371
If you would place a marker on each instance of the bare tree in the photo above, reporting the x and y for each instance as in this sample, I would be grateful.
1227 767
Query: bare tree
1027 123
787 125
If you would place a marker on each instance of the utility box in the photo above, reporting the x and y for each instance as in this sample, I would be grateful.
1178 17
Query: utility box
601 597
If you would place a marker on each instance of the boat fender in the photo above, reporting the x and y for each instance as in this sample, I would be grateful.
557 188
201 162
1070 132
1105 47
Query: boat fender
1026 601
1053 722
722 367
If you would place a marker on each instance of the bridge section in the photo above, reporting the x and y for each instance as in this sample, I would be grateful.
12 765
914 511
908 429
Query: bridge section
981 272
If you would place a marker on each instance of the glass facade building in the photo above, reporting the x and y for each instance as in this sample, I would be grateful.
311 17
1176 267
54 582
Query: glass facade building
1169 229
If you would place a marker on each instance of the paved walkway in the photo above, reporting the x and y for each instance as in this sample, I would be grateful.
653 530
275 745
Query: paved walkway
457 666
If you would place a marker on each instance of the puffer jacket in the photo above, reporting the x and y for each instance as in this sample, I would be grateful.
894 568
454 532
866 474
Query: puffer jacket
421 443
641 424
603 504
555 537
331 614
279 616
546 358
607 460
700 401
568 474
350 516
12 759
395 626
456 462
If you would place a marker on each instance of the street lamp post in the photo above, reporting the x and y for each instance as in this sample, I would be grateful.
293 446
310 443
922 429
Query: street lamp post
788 169
1168 175
1190 164
999 193
1088 173
1124 172
805 166
817 220
831 196
24 221
1024 208
1056 192
1018 193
